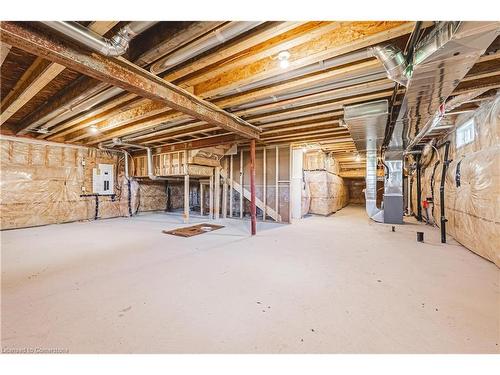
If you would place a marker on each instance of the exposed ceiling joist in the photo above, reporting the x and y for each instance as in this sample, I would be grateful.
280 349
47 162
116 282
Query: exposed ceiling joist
346 37
100 27
38 76
4 51
121 73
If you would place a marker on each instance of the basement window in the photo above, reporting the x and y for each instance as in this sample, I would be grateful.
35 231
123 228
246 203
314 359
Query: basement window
465 133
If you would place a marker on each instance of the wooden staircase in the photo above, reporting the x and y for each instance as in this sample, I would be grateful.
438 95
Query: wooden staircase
246 193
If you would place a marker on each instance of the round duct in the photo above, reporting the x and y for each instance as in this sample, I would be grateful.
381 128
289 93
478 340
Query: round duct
427 154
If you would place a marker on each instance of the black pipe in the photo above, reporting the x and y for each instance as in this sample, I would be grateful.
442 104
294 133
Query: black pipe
412 42
446 162
419 188
129 197
420 236
96 215
432 187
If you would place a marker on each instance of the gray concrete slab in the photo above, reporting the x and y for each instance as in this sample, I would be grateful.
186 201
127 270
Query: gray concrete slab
340 284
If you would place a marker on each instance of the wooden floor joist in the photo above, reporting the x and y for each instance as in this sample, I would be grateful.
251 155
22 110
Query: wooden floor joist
290 108
4 51
39 75
120 73
344 48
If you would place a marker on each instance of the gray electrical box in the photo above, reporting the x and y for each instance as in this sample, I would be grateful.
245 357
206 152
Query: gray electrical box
103 179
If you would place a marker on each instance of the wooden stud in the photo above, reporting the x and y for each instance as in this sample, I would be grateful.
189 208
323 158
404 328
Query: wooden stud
123 74
34 80
4 51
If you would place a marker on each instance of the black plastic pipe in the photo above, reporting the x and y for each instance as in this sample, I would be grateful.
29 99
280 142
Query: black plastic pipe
446 162
419 189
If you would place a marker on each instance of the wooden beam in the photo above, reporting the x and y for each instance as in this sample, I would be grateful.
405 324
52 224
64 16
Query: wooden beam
123 74
347 37
362 88
307 81
100 27
253 208
4 51
169 116
185 32
228 50
60 103
278 40
173 38
42 73
201 143
86 119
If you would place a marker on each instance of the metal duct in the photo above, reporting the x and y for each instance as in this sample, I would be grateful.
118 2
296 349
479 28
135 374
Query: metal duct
440 62
117 45
394 62
151 174
305 101
316 89
366 123
71 110
316 67
211 40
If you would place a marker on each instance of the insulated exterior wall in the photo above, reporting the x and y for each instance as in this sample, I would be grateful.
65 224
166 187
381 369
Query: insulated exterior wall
327 190
472 185
42 183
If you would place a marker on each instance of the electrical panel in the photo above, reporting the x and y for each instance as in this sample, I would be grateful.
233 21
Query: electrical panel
103 179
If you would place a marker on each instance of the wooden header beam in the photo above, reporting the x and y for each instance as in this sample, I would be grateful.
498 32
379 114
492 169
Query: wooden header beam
123 74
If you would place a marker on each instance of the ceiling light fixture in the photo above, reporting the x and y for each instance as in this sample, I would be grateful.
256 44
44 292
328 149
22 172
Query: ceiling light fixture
94 129
283 57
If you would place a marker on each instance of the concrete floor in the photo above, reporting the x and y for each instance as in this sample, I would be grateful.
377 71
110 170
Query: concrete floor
340 284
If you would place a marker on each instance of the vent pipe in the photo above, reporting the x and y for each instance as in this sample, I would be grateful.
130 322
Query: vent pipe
394 62
149 153
439 62
209 41
117 45
366 123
